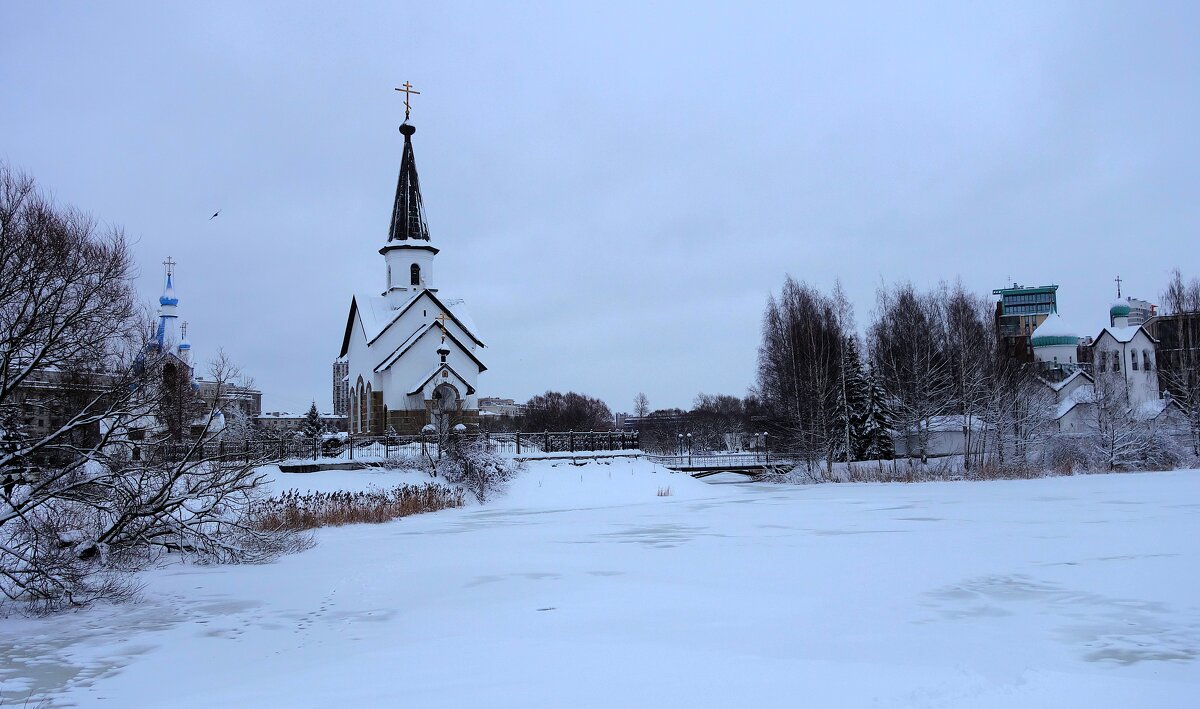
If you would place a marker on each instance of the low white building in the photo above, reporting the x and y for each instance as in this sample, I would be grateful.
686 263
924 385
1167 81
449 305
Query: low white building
945 435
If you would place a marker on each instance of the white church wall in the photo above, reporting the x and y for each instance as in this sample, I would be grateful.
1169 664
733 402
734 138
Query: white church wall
1061 354
399 270
1141 384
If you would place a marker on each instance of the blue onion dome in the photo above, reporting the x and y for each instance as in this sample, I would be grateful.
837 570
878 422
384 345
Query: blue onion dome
168 296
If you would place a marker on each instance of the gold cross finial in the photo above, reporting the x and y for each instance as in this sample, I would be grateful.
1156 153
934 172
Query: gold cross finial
442 319
170 265
408 91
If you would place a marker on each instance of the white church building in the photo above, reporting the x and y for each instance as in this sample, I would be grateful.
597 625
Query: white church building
1123 364
412 353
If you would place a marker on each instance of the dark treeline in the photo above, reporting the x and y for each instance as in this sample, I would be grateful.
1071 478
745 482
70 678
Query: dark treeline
556 411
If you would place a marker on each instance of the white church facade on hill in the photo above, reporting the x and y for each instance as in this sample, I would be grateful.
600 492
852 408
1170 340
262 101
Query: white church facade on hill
412 353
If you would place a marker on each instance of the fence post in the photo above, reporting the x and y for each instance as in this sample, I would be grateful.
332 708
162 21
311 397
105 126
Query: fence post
351 437
571 440
610 439
518 443
592 441
546 442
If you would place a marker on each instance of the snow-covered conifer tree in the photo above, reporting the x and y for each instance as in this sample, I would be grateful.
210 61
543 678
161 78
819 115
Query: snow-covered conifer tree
311 428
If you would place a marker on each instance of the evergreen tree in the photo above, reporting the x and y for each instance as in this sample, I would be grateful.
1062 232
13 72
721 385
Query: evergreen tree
875 441
311 427
851 408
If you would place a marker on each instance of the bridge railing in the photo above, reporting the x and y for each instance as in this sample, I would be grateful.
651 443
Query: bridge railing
717 460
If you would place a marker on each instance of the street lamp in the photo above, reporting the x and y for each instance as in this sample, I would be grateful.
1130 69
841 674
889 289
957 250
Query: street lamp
679 448
689 449
766 448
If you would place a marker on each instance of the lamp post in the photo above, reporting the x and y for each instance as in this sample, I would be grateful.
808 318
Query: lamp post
679 447
766 448
689 450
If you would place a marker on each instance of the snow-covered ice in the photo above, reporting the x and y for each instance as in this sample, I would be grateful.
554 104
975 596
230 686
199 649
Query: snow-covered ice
584 588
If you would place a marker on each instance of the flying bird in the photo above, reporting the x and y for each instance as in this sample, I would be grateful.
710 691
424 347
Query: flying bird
214 216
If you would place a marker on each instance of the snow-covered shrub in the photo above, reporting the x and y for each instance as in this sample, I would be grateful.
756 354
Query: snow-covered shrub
1162 451
477 466
1066 454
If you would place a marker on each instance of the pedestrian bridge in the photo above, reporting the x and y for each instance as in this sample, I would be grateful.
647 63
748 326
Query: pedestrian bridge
701 466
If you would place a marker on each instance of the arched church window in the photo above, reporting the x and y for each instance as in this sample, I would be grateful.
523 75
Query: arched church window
1133 360
368 417
1103 360
414 273
389 275
1116 360
1146 360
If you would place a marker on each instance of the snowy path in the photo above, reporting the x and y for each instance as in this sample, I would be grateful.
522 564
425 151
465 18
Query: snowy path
583 588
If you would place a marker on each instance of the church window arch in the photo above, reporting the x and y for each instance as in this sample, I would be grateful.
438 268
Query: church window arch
1133 363
358 394
1116 361
367 413
389 275
414 274
1146 360
1103 360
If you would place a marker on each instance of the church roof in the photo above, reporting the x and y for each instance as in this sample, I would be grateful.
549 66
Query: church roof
408 212
416 336
377 315
421 384
1124 334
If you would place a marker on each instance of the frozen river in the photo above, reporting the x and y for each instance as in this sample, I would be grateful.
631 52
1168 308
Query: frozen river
585 588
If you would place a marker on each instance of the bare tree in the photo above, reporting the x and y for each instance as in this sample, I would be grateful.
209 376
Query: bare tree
907 353
641 405
1178 352
799 362
970 353
105 483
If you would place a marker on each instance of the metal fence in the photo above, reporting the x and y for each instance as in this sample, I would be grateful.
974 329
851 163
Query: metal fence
381 447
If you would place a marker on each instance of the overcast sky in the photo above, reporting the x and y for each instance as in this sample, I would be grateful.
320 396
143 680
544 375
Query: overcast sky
616 188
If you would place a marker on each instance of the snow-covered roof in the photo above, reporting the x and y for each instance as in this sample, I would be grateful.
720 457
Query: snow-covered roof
1054 326
1123 334
421 383
376 316
458 308
1058 386
951 424
1151 409
417 335
1085 394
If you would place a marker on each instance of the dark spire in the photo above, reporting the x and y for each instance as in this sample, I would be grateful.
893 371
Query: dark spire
408 215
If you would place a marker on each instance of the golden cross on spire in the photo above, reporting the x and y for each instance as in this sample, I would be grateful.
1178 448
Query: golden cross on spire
170 265
408 91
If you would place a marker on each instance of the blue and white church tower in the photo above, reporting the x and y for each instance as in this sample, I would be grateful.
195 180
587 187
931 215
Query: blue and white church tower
168 304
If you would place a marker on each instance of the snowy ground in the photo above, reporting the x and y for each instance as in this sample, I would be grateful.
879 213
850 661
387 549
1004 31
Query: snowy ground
584 588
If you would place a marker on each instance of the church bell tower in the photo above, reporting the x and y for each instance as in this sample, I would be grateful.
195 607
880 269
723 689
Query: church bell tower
408 253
